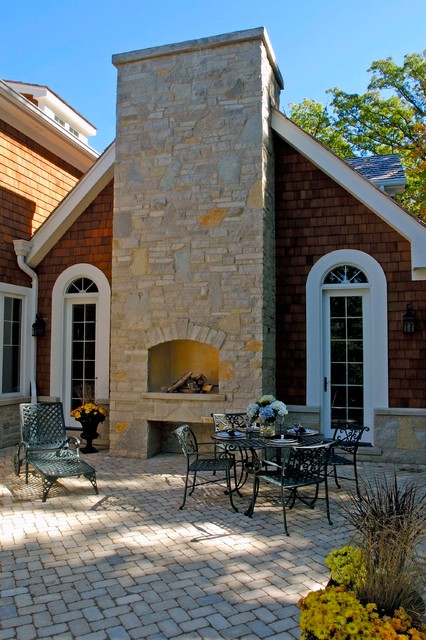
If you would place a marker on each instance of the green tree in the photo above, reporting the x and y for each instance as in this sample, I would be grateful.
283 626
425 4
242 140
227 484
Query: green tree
389 118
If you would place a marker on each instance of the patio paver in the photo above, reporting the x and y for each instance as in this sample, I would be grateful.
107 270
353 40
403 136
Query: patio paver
129 564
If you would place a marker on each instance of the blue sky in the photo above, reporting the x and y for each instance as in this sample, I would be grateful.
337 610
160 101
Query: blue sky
319 44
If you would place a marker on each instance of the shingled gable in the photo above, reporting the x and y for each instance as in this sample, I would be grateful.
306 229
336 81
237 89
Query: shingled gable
361 188
72 206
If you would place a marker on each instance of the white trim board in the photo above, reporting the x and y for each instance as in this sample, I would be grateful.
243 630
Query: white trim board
73 205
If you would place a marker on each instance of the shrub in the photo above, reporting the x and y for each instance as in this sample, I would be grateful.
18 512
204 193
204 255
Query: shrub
347 566
336 613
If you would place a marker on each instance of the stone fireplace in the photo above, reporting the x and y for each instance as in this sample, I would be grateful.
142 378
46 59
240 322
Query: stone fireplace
193 255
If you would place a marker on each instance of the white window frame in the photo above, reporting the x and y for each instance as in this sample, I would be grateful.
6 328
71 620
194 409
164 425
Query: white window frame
378 328
23 293
57 354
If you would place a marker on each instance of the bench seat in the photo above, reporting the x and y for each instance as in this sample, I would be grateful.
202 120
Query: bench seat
61 464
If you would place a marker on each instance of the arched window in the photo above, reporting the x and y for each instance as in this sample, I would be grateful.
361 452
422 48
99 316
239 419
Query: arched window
82 285
345 274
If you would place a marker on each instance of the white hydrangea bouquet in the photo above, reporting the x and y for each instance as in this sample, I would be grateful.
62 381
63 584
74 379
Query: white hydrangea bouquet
267 409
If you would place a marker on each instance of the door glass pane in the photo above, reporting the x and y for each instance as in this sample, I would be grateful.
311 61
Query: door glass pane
346 358
83 348
11 367
337 329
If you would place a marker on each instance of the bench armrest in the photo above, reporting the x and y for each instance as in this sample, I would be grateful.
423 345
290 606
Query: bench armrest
76 442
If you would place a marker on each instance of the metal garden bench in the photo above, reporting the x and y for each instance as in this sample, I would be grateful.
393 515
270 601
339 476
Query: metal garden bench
45 446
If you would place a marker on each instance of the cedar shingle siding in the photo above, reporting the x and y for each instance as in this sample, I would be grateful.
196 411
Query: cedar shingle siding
34 181
89 239
316 216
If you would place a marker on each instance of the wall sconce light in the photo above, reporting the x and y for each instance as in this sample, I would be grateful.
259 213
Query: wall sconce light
39 326
409 320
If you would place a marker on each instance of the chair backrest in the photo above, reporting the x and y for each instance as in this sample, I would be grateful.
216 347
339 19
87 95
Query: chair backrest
347 435
308 463
229 421
43 425
187 439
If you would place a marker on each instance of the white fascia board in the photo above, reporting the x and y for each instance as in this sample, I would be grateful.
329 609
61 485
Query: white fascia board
362 189
21 114
85 191
47 99
66 113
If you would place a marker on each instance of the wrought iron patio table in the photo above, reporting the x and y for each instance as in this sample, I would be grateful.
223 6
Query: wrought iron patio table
248 446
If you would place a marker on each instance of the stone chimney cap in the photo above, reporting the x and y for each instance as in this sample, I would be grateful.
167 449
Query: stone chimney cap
236 37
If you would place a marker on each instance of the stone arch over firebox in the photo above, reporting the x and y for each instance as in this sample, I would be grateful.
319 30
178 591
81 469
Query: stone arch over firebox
185 330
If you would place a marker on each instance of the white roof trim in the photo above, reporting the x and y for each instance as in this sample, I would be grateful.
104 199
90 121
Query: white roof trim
361 188
72 206
24 116
48 98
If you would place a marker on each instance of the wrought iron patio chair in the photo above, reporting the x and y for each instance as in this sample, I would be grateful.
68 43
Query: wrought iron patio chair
346 440
226 421
211 462
233 422
301 466
45 446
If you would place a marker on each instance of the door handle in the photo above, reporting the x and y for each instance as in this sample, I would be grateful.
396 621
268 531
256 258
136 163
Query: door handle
325 385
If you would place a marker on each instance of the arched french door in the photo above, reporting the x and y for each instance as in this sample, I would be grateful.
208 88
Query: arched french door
347 338
81 302
80 337
346 351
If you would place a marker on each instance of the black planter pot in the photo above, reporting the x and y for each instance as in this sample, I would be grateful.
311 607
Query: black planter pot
89 433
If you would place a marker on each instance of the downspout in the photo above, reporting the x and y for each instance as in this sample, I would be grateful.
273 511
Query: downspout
22 248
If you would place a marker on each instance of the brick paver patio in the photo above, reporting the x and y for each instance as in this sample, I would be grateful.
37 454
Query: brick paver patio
127 564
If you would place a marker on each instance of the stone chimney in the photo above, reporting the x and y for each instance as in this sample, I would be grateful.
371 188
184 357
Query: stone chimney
193 257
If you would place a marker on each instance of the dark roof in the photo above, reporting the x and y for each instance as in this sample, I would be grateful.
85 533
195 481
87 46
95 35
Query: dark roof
379 169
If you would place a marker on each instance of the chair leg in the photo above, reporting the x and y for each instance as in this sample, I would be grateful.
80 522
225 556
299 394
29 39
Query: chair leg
310 502
291 499
356 478
335 476
194 477
327 502
47 483
283 501
228 483
185 491
243 473
92 479
250 509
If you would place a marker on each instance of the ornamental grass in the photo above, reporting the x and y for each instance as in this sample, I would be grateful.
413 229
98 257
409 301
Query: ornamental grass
376 586
390 522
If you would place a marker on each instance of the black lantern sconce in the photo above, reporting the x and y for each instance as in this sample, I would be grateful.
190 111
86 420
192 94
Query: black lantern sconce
39 326
409 320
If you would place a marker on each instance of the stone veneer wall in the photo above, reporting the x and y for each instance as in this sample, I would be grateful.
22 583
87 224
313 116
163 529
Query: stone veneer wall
193 254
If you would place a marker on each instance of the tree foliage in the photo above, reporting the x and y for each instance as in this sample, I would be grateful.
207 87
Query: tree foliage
390 117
